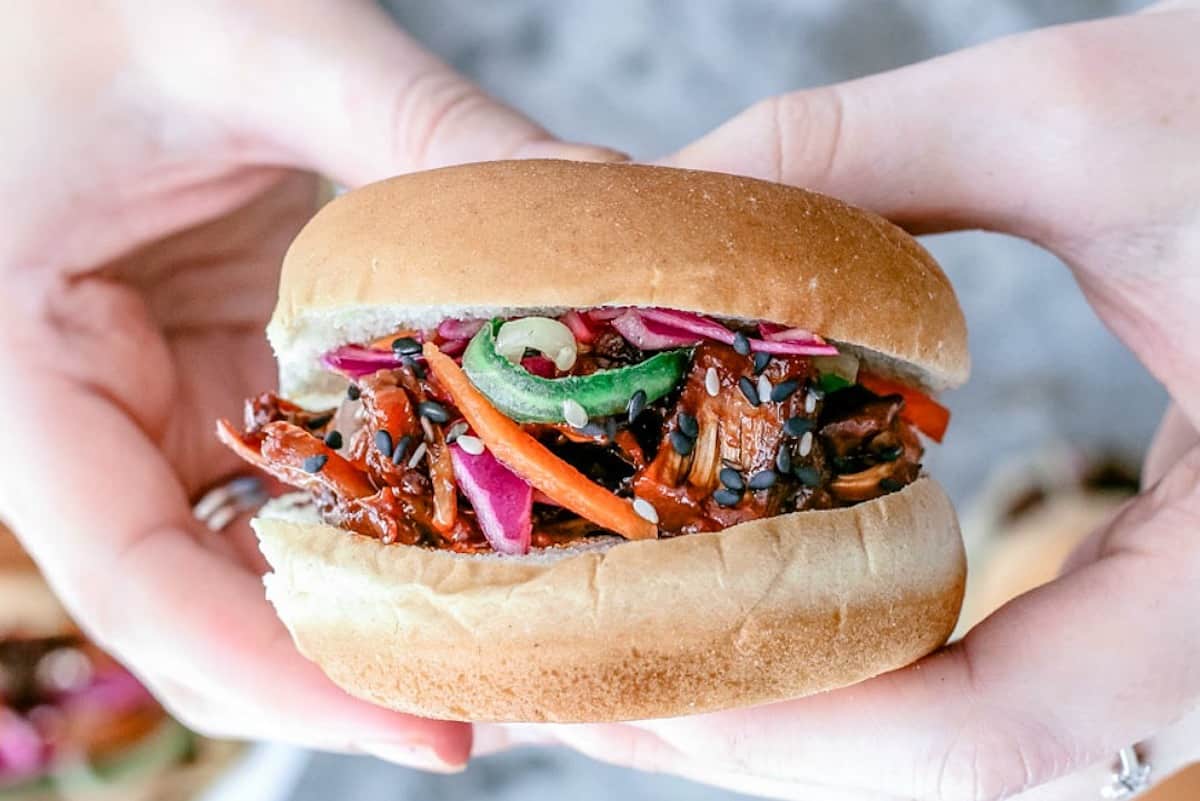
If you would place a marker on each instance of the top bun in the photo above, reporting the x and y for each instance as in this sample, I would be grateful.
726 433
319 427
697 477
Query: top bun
505 237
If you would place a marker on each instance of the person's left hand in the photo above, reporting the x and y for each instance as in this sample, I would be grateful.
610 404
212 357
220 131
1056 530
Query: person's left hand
149 192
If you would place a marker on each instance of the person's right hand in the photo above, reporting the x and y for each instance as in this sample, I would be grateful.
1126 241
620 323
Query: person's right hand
1086 140
147 192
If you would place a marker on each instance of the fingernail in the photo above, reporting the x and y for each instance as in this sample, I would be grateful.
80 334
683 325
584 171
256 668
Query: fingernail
413 755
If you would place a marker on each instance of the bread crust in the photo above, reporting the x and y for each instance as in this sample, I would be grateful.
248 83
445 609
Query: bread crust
500 237
763 611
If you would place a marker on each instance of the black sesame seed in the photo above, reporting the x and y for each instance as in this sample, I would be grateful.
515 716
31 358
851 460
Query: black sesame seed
334 440
784 390
761 360
318 422
688 425
889 484
763 480
383 443
732 479
313 464
749 390
808 475
353 392
418 369
636 404
741 344
783 460
406 346
433 410
890 454
796 426
401 449
726 497
682 443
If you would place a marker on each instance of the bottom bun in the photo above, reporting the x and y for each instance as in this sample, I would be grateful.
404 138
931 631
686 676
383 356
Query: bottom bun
614 630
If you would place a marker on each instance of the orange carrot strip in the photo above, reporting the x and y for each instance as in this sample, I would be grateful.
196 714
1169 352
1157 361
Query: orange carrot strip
929 416
385 343
531 460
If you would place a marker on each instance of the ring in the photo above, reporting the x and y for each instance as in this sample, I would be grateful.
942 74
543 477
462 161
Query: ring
1130 778
222 504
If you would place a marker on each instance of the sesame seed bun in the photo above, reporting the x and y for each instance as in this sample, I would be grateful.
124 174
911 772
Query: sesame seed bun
533 236
615 630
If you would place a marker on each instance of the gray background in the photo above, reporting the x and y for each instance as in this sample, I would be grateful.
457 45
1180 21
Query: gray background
646 77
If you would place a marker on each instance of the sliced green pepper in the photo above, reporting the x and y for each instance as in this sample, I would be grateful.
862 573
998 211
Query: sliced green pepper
528 398
831 382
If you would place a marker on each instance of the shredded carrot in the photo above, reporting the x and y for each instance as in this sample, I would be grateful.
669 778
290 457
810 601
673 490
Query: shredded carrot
531 460
385 343
929 416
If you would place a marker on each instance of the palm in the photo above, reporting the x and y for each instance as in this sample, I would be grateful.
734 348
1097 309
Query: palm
168 337
203 297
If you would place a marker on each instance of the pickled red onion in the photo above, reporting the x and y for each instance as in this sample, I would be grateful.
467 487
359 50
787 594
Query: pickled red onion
647 335
502 500
354 361
458 329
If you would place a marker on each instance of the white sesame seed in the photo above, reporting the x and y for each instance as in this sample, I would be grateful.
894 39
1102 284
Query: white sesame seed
472 445
427 427
457 430
806 444
575 415
810 403
645 510
764 388
417 456
712 384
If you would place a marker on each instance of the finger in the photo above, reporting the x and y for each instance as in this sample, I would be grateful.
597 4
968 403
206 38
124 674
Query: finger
1166 753
98 506
342 89
637 748
1174 439
1057 680
1007 136
1176 436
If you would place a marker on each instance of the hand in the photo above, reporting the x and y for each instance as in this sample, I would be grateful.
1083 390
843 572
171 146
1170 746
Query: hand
149 187
1086 140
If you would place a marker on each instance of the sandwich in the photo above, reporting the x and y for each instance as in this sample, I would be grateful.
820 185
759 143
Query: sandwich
595 442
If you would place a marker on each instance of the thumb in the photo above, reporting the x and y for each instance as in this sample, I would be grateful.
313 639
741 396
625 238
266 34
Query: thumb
1077 138
339 88
1014 135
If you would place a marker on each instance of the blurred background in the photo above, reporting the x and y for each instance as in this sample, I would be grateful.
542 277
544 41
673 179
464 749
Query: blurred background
1046 437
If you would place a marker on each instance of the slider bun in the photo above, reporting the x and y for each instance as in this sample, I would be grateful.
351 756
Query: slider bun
512 237
613 630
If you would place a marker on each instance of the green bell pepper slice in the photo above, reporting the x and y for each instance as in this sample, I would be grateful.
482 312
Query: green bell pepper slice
528 398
